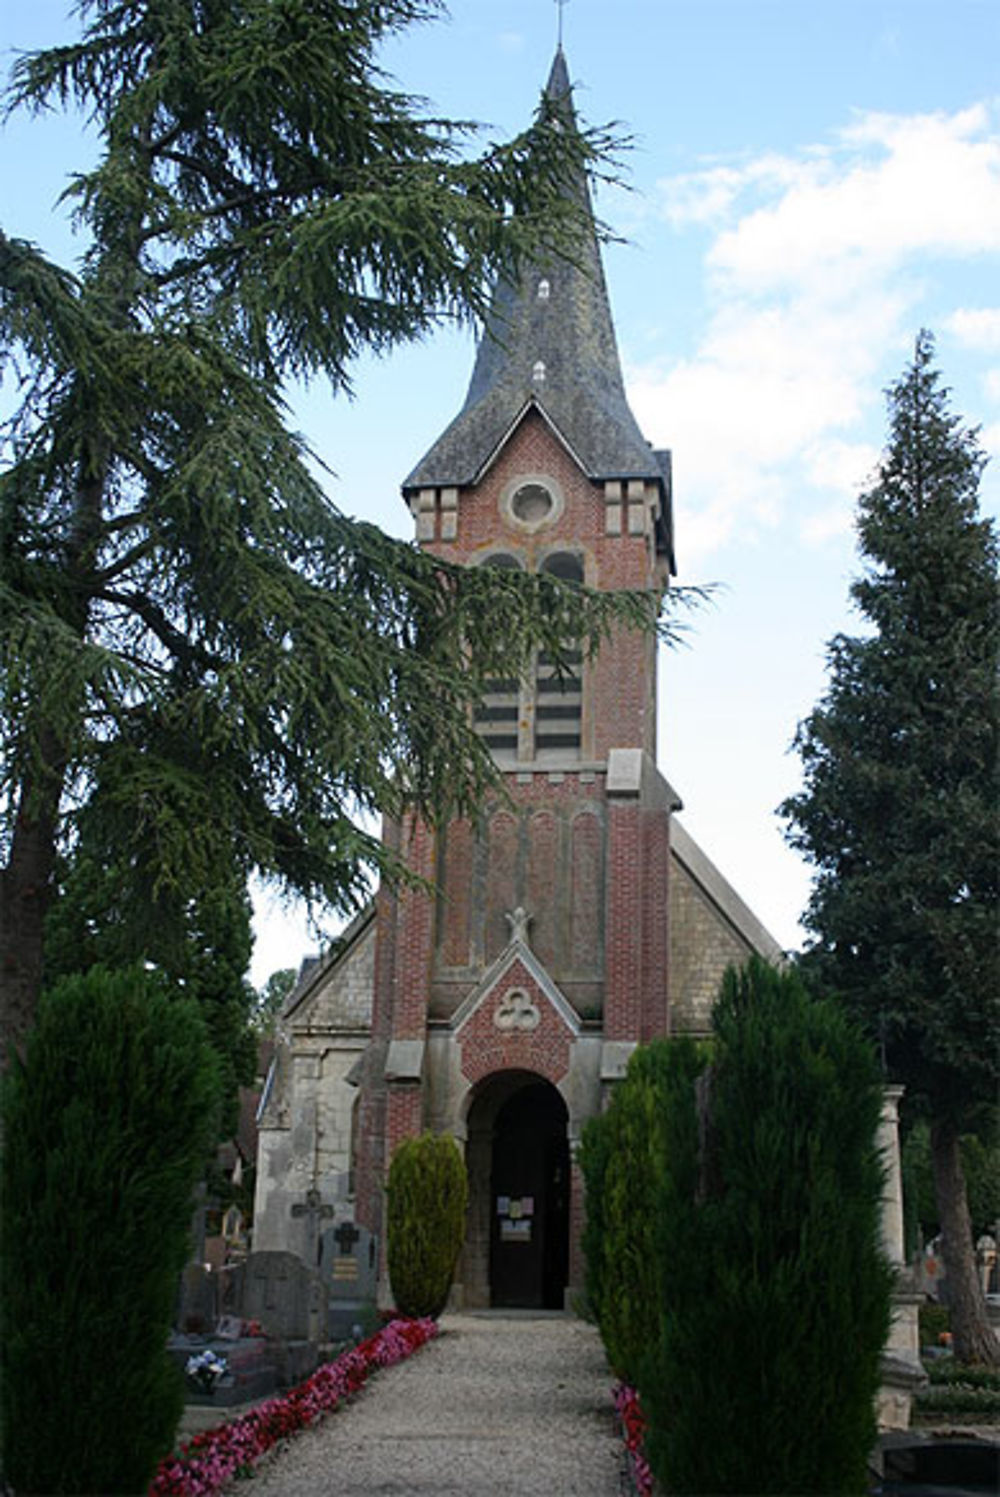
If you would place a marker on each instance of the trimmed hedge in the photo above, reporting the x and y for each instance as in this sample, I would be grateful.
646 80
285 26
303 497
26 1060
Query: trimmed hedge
734 1231
643 1146
107 1128
775 1293
425 1225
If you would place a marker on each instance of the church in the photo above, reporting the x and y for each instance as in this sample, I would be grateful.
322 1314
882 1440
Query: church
575 918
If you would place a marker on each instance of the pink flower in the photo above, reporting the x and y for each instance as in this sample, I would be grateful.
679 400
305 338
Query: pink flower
633 1422
214 1457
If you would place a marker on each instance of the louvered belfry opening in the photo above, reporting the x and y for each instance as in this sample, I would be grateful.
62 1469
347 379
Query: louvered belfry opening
550 703
498 713
559 706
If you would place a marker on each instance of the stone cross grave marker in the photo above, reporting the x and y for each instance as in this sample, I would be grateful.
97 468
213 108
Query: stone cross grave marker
349 1266
315 1209
285 1295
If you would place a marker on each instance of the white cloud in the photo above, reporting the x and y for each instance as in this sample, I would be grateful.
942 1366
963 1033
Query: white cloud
895 187
976 327
707 196
845 467
818 275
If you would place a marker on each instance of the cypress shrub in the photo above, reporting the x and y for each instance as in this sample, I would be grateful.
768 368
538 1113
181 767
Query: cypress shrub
643 1145
593 1156
107 1127
774 1293
425 1222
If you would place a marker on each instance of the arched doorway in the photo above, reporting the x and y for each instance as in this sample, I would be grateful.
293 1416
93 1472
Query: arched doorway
520 1193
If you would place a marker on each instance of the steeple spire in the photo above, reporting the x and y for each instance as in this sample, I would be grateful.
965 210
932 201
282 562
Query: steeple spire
549 343
560 7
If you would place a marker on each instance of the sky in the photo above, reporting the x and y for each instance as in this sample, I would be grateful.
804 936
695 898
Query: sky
810 182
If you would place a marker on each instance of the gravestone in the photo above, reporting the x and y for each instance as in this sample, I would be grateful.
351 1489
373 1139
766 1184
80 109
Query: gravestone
196 1300
314 1211
289 1300
349 1268
250 1373
285 1295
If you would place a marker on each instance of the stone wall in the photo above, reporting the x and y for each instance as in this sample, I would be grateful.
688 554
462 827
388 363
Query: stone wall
308 1118
710 929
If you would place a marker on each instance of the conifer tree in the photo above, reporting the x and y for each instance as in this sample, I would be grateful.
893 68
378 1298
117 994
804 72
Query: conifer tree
899 808
194 645
106 1130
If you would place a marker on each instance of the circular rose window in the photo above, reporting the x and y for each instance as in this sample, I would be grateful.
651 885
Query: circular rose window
531 501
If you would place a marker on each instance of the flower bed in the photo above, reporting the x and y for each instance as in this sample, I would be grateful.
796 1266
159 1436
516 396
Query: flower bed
207 1462
633 1422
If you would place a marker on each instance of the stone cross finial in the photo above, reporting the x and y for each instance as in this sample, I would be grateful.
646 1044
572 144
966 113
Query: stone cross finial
519 920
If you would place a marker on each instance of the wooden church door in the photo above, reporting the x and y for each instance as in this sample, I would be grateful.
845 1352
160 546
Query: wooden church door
529 1250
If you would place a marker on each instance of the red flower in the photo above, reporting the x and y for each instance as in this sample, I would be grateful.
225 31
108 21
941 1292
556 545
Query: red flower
633 1422
214 1457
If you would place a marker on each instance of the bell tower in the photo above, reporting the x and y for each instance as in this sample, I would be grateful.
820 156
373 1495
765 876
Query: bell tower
509 999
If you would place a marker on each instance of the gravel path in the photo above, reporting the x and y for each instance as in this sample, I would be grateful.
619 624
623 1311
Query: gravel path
493 1404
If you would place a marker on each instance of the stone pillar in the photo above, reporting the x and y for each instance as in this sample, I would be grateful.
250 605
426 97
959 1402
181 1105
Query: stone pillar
893 1241
475 1262
902 1371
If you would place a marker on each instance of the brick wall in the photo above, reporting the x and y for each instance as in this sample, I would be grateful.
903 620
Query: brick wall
544 1050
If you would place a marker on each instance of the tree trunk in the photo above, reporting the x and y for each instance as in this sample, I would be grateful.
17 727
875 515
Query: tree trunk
26 883
973 1339
25 892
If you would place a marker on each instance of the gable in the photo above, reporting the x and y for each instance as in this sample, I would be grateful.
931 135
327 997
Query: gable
335 994
516 1018
711 928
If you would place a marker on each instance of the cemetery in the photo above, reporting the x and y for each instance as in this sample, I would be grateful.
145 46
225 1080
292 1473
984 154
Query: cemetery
555 1121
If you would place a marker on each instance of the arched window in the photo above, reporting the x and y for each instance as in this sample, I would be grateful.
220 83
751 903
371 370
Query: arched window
542 716
498 713
559 709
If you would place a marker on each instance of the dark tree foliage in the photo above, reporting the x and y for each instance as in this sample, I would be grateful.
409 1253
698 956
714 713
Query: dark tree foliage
425 1222
270 999
899 812
195 647
981 1168
107 1127
774 1292
200 940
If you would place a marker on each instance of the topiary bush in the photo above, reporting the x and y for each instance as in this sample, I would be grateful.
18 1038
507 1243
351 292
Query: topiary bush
774 1293
592 1157
425 1225
645 1144
107 1127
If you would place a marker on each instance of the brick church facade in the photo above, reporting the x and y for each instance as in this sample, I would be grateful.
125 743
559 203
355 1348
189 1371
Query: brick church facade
574 919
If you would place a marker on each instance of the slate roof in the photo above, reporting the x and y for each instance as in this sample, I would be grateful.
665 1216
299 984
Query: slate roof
571 333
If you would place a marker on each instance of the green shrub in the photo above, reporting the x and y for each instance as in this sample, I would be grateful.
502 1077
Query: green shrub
592 1157
107 1128
947 1371
644 1144
426 1222
774 1294
958 1398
